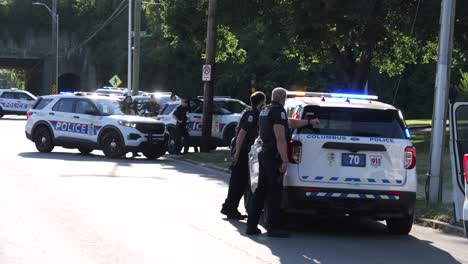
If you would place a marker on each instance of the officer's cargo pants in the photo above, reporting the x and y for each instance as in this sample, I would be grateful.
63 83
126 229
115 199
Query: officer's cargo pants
239 181
268 193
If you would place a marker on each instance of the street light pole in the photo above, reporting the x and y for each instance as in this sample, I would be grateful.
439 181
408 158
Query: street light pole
55 17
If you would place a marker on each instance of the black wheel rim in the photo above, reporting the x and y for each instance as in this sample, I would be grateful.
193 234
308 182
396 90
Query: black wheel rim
43 140
113 144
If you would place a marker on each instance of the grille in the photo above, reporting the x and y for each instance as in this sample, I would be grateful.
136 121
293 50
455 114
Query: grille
147 128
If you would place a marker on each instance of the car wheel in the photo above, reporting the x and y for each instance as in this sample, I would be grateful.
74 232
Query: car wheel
1 112
155 153
85 151
43 140
171 143
112 145
401 226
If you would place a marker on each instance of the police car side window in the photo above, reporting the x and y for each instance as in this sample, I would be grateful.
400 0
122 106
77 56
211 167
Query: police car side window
64 105
8 95
23 96
84 107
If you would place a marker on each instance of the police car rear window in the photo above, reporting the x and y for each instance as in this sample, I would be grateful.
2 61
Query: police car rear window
355 122
42 103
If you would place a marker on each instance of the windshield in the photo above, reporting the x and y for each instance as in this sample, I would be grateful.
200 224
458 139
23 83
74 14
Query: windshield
341 121
168 108
109 107
230 107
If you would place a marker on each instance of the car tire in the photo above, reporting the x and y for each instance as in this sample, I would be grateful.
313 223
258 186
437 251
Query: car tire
401 226
155 153
112 145
465 224
85 151
43 140
229 134
171 146
1 112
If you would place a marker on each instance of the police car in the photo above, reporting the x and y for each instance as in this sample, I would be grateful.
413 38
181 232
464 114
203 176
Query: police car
226 115
15 102
162 98
359 161
92 122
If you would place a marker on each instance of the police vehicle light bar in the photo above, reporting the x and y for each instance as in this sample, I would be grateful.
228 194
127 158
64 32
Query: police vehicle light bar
332 95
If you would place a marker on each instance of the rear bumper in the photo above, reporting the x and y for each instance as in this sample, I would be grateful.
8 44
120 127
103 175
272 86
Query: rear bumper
374 204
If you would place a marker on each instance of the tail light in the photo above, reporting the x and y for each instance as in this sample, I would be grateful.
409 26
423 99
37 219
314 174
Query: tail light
410 158
296 116
28 114
295 152
465 167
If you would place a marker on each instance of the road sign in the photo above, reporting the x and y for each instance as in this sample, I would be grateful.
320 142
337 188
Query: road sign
54 88
115 81
206 73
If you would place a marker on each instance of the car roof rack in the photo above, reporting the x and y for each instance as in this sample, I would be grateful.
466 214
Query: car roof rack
292 94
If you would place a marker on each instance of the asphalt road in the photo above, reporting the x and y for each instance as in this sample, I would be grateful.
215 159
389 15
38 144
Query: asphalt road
67 208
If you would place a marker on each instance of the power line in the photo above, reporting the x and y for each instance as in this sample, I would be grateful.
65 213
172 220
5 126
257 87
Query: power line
411 34
113 16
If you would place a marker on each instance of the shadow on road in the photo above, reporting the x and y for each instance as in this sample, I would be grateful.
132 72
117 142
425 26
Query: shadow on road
347 240
66 156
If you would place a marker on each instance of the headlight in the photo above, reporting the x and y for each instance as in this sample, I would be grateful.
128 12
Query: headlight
127 124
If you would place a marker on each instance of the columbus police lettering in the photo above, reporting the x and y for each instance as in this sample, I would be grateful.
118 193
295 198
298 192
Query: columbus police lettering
326 137
382 140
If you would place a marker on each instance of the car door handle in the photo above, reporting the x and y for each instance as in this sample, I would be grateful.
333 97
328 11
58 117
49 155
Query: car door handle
77 117
51 113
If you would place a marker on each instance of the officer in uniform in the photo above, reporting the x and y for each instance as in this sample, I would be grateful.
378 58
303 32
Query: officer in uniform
246 133
180 115
273 162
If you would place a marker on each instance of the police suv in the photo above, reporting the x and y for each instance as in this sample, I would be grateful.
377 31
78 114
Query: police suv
226 114
359 161
92 122
15 102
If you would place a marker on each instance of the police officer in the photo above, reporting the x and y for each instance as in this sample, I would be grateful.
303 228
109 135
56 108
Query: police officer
246 133
273 162
128 106
152 107
180 115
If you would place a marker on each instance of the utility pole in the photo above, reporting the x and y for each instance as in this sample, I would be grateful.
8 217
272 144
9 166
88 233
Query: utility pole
55 37
447 20
129 55
211 33
136 54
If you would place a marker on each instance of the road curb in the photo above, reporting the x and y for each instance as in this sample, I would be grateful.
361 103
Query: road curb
444 227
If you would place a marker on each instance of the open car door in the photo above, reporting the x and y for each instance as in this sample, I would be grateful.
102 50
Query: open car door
458 148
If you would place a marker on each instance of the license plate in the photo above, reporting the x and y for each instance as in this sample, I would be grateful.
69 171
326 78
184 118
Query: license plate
353 160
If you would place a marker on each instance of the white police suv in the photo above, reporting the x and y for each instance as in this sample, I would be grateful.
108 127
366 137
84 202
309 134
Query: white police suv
15 102
92 122
226 114
359 161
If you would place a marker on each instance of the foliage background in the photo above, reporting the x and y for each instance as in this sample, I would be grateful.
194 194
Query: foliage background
316 45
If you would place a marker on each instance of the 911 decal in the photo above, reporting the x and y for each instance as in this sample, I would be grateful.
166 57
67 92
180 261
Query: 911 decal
376 161
75 127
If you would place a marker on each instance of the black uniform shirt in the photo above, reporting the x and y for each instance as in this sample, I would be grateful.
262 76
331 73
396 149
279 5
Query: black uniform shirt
181 113
271 115
249 123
